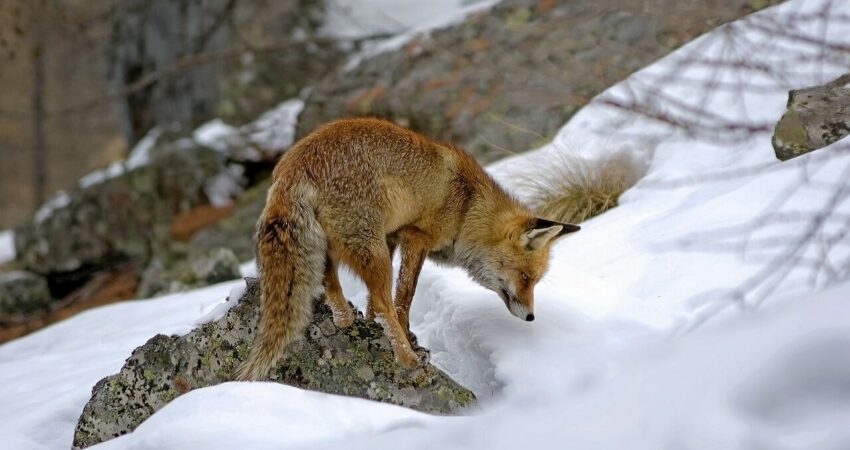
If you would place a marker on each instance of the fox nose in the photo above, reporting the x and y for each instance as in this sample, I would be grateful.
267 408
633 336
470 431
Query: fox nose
529 317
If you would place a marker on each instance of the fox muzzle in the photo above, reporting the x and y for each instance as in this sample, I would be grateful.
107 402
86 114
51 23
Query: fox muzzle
515 307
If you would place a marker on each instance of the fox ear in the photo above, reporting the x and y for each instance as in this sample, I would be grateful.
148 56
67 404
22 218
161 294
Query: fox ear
544 231
535 238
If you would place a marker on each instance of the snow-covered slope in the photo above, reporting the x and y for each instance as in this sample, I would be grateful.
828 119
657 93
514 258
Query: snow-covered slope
716 210
605 364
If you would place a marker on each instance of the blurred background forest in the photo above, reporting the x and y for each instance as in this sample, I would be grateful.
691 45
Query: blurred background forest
91 77
55 62
85 80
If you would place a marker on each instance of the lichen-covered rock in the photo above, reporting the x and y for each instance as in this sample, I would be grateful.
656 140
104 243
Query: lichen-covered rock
356 361
816 117
506 80
23 292
119 217
214 266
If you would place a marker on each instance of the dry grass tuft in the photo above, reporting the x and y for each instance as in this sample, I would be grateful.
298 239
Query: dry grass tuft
572 189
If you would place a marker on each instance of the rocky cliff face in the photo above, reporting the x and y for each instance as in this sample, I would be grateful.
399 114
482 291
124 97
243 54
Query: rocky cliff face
355 361
504 81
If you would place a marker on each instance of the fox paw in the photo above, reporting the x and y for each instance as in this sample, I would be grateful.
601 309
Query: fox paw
408 358
344 318
357 312
423 355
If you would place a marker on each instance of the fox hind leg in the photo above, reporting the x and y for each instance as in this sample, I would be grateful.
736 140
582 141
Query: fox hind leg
392 243
343 314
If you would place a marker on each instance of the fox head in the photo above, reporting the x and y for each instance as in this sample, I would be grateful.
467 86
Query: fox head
513 257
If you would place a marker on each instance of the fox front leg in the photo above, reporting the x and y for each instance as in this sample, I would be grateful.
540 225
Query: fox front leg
414 248
370 260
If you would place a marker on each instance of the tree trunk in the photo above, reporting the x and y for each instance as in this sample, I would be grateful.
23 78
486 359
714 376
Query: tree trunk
39 148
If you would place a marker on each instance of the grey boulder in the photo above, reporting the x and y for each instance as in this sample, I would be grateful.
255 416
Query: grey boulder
23 292
215 266
816 117
118 218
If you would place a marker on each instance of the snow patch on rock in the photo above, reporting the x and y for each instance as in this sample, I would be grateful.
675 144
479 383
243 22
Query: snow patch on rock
263 139
7 246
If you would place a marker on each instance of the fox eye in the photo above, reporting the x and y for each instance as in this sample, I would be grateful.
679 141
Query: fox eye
524 276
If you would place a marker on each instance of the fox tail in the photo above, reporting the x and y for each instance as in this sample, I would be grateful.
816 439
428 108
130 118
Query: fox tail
291 249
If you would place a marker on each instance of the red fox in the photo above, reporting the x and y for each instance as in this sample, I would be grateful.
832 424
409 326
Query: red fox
354 190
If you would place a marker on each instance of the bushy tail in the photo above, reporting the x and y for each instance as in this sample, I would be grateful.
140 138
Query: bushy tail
291 248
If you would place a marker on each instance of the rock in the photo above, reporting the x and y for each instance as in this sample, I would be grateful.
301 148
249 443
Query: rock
216 266
257 81
237 231
356 361
116 218
219 265
816 117
23 292
506 80
157 279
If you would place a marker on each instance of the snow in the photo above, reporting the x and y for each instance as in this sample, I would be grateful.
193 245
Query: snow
7 246
416 19
217 311
59 201
776 380
99 176
306 418
642 339
139 156
697 215
215 134
268 136
248 269
48 375
275 130
226 185
354 19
